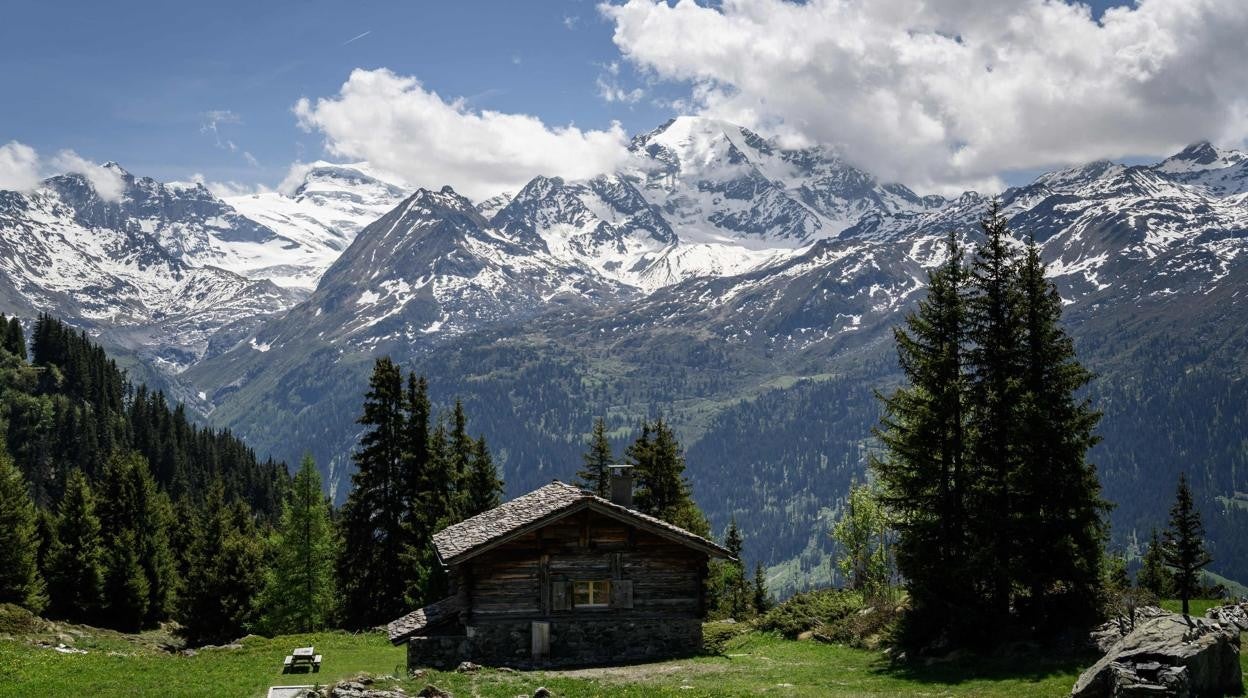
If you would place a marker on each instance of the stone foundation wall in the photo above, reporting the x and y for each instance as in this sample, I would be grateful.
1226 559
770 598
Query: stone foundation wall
578 642
440 652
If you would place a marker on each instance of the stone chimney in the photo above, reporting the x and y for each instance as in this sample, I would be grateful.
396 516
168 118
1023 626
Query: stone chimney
622 485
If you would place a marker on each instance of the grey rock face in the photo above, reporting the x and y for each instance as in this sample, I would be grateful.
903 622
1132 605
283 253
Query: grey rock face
1231 614
1169 655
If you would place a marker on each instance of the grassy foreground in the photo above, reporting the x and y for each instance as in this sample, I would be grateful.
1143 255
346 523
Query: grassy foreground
751 664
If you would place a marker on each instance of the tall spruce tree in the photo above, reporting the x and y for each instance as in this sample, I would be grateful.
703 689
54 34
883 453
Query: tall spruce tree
299 594
662 489
736 588
762 598
12 338
995 363
924 470
990 420
140 569
1060 527
461 450
45 531
595 476
75 570
440 508
1185 544
373 518
126 590
20 582
422 492
485 488
217 603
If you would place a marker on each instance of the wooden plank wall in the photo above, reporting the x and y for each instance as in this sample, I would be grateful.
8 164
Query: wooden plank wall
514 581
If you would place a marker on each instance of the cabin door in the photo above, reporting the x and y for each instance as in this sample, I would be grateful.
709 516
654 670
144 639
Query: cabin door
541 640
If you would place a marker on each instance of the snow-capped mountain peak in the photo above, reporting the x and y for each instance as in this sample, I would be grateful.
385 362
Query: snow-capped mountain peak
1201 156
315 221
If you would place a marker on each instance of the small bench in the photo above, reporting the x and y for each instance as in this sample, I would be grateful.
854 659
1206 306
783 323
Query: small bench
302 657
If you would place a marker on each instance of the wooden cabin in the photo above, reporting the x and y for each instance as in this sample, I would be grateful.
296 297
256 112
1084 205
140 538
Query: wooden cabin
560 576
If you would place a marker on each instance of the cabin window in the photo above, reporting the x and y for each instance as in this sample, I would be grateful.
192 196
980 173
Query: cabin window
595 593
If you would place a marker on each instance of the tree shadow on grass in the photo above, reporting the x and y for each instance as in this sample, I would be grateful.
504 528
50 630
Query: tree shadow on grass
1029 668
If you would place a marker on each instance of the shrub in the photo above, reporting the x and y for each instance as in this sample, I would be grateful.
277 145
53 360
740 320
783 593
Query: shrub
867 628
717 634
15 620
810 610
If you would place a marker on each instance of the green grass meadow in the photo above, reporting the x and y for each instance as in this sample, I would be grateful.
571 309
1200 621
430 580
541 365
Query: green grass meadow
752 664
749 665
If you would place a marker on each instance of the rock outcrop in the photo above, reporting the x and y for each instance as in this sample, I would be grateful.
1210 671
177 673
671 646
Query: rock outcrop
1231 614
1169 655
1110 632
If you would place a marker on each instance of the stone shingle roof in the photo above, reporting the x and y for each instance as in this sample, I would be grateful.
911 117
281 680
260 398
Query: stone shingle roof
455 542
422 618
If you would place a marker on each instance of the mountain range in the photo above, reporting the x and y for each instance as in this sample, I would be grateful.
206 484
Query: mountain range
743 290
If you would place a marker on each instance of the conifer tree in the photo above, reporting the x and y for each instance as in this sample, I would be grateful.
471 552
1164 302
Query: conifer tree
75 570
1154 577
431 583
182 533
662 489
12 338
461 451
45 531
736 588
126 590
762 598
995 362
373 534
299 584
924 468
441 493
217 602
1059 513
595 475
417 481
20 582
485 489
1185 544
135 519
733 542
421 492
240 570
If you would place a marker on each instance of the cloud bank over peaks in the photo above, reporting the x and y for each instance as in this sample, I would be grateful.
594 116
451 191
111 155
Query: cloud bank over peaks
945 96
21 169
413 134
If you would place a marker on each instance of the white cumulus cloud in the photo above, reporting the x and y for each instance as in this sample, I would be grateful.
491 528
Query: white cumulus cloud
412 133
106 181
949 94
19 167
22 169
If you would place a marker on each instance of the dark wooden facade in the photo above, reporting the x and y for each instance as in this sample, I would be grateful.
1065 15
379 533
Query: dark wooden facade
591 582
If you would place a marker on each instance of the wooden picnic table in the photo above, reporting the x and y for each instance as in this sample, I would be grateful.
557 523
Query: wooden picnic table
302 657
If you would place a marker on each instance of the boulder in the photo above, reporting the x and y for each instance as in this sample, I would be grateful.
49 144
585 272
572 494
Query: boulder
1235 614
359 689
1168 655
1114 630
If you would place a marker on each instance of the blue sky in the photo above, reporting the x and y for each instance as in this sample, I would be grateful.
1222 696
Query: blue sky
140 82
133 81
